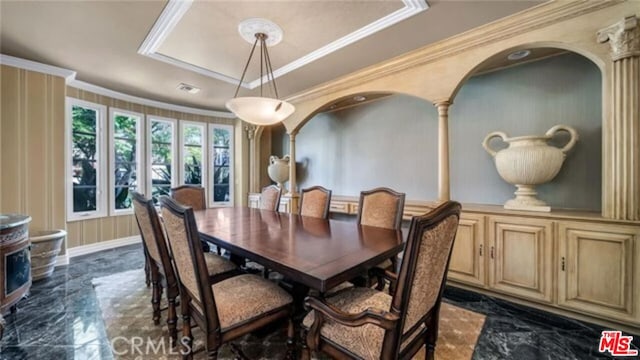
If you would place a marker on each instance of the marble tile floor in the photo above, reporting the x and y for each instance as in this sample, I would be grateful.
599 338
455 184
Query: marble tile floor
61 319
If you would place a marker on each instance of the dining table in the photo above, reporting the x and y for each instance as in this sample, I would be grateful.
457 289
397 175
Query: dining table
311 252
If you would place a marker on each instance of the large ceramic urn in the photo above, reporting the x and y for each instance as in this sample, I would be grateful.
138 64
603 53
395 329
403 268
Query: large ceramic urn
278 170
529 161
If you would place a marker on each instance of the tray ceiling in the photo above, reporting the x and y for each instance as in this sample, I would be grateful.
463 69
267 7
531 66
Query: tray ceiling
118 44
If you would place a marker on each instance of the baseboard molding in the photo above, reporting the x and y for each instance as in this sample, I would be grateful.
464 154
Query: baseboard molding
103 245
62 260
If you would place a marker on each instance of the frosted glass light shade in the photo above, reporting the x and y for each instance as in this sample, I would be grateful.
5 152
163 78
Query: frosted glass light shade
260 110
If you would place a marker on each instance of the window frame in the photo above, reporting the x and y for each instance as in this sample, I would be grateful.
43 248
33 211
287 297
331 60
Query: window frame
231 129
205 152
101 160
174 151
140 168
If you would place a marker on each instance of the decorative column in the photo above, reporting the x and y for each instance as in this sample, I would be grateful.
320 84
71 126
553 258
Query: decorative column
621 165
292 163
443 150
253 134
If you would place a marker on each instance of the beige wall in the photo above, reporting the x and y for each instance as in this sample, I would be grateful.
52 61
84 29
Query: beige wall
32 146
84 232
32 156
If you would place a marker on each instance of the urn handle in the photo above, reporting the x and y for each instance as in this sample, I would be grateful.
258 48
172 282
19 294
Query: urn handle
273 159
485 143
572 132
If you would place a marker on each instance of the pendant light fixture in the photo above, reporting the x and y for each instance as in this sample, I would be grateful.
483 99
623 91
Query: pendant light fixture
260 110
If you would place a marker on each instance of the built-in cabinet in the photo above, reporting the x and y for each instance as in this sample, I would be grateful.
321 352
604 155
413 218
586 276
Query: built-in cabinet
599 271
565 261
520 257
467 259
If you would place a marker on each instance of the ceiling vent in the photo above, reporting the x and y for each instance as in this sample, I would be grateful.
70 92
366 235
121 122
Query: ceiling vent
188 88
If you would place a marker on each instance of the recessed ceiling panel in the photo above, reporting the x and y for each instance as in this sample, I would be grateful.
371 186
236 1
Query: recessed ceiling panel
204 34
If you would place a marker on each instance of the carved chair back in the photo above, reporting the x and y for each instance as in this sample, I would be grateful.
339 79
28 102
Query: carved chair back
421 280
188 257
381 207
270 198
190 195
315 201
153 236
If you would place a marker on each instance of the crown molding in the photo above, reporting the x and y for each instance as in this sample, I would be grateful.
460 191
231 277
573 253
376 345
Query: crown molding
70 80
67 74
176 9
533 18
148 102
167 21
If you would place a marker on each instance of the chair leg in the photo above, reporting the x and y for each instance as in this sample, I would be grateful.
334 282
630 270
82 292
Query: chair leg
432 334
155 301
291 340
306 352
212 354
172 321
187 337
147 273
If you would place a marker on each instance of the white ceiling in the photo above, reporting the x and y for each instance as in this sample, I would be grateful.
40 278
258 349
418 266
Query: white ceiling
191 42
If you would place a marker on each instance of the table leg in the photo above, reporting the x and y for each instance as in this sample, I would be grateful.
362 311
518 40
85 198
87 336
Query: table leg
1 326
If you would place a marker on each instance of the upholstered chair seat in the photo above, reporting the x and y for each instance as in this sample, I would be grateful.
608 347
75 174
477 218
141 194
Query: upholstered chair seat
245 297
364 341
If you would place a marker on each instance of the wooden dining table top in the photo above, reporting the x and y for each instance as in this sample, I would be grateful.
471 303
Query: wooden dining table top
314 252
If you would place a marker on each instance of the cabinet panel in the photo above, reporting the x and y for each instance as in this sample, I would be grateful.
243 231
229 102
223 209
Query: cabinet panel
254 201
339 207
521 257
596 269
468 255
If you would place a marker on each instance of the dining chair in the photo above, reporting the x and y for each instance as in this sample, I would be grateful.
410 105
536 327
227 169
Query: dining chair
314 202
365 323
225 310
381 207
195 197
158 259
270 198
190 195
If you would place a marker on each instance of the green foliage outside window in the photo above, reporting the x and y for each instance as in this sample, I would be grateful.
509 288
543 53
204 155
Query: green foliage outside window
84 160
125 153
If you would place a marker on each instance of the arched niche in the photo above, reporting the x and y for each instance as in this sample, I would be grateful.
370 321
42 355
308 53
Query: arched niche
550 86
386 139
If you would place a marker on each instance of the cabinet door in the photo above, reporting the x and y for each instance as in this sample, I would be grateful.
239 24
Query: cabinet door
467 263
521 257
596 269
254 200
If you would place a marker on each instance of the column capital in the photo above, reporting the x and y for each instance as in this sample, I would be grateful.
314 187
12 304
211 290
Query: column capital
443 107
251 131
292 134
624 38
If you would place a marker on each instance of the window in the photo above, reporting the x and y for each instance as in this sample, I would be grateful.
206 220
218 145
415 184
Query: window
125 149
221 160
193 165
86 160
162 154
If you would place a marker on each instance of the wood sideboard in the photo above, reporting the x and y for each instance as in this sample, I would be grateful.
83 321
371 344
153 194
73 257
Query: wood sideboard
573 263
